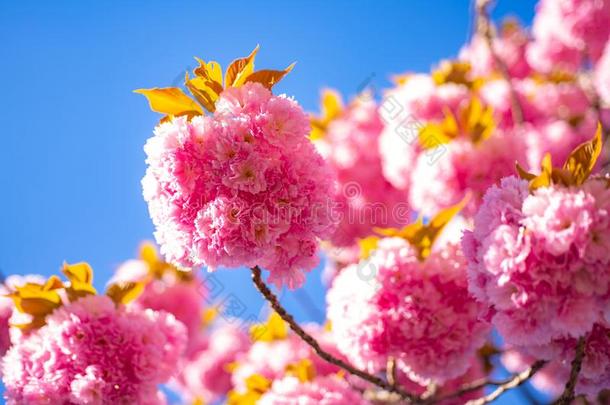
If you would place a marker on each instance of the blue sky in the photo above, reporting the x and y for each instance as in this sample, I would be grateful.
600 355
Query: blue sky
73 131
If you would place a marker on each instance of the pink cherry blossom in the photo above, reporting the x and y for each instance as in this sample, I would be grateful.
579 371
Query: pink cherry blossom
206 375
243 187
540 260
329 390
364 198
90 351
420 313
567 31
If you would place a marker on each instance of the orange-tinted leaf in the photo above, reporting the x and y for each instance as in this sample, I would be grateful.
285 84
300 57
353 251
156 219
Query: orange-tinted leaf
239 69
422 236
523 174
274 329
148 253
81 272
545 178
331 107
367 246
269 78
256 386
125 292
210 71
303 370
205 91
452 72
170 101
582 160
80 276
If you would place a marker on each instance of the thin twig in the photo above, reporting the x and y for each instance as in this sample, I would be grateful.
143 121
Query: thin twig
485 28
515 381
568 393
307 338
391 371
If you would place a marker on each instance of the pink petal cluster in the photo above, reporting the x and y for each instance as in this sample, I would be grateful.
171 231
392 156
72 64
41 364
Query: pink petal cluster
404 110
328 390
442 175
541 260
594 375
568 32
463 168
6 310
550 379
182 298
364 198
510 46
474 373
243 187
270 359
206 375
92 352
602 75
420 313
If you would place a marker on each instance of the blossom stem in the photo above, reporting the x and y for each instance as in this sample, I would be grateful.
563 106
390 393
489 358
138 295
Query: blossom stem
307 338
568 393
484 27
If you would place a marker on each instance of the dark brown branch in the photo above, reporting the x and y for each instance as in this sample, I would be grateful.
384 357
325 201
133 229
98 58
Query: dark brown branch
568 393
485 28
307 338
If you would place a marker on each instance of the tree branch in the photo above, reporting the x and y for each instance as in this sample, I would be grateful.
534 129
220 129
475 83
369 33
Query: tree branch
307 338
513 382
568 394
485 28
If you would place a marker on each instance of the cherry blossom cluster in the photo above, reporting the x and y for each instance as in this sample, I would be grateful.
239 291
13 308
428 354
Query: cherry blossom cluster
463 218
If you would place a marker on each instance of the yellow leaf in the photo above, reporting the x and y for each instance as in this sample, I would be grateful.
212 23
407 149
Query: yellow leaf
268 78
124 292
80 276
274 329
303 370
215 72
582 160
477 120
421 236
452 72
331 107
256 386
367 246
43 304
37 300
80 272
239 69
544 179
204 91
170 101
432 135
210 71
148 253
35 323
523 174
53 283
258 383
